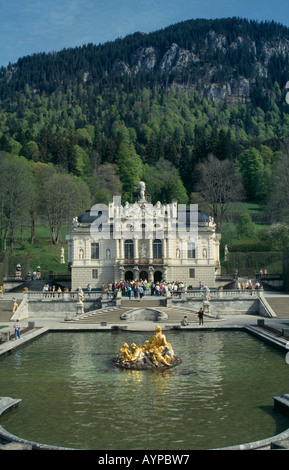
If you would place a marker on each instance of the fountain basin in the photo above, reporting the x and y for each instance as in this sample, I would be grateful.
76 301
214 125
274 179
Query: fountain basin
144 314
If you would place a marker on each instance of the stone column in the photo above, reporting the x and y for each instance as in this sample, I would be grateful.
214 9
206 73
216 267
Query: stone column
121 254
117 248
74 249
151 274
119 274
87 248
136 272
150 250
210 250
135 250
168 248
165 248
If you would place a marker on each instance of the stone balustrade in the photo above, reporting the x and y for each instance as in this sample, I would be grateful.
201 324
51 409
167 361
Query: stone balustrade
223 294
60 296
94 295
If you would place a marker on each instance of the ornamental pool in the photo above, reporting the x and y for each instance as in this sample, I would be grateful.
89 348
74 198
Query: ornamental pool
72 396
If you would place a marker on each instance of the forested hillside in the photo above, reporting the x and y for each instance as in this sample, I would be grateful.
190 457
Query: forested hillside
197 103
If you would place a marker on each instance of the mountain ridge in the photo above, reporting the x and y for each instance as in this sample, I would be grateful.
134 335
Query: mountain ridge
153 105
220 57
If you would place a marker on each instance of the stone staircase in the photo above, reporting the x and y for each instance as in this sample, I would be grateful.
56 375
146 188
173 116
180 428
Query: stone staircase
33 286
145 302
280 305
113 314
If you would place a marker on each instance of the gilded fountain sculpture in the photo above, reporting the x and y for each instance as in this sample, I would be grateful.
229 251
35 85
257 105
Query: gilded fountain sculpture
154 353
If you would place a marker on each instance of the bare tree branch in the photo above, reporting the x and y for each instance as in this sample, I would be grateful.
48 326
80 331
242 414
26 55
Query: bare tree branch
220 185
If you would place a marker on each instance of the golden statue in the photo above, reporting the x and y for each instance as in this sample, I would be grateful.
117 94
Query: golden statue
157 341
125 353
136 353
154 352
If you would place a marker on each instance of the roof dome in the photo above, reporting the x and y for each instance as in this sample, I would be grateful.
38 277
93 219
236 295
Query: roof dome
87 218
202 218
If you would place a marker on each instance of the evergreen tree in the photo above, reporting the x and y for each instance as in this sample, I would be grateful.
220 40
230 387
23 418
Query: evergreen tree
252 169
130 169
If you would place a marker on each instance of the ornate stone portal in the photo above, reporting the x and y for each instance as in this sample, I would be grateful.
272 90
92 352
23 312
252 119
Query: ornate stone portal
156 353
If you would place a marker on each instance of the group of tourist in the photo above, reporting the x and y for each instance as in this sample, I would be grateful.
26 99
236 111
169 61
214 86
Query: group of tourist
248 285
51 290
139 288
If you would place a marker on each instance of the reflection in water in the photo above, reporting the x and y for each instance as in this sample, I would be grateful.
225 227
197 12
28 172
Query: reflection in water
72 396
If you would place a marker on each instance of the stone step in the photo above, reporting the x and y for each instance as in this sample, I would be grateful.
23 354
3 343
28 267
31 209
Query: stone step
280 305
33 286
278 301
144 302
113 315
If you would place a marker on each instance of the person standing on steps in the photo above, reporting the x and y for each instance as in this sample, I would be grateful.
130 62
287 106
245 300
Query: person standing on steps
16 327
201 316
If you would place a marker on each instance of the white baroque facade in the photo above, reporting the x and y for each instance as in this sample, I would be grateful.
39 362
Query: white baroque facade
142 241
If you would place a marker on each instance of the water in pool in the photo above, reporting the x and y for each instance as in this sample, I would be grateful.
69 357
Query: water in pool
72 396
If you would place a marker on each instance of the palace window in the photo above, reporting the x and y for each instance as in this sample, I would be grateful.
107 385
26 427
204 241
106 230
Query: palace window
191 253
95 274
192 273
95 251
128 249
157 249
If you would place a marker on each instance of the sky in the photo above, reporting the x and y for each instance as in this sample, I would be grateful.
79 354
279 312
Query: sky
33 26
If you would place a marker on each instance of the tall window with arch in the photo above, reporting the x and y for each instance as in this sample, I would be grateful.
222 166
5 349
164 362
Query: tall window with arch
191 253
128 249
157 249
95 251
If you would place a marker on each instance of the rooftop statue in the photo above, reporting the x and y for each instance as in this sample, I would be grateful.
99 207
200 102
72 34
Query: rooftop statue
141 189
154 353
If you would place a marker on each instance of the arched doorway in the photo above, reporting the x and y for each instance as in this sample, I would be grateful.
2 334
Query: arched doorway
143 275
158 275
128 276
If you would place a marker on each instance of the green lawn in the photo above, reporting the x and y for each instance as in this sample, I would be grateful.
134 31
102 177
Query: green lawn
250 207
42 252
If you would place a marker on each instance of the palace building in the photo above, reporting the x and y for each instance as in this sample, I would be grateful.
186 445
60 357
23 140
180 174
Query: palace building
140 241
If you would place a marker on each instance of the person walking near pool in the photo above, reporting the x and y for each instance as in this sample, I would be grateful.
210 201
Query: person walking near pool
201 316
17 329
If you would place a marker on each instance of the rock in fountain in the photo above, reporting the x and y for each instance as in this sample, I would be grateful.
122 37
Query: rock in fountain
156 353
